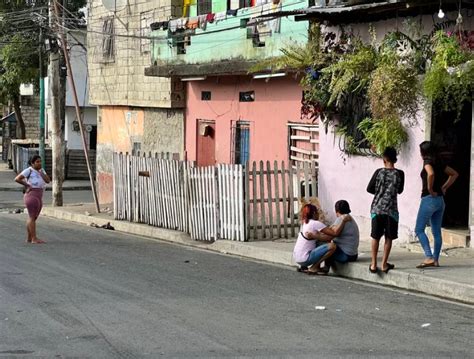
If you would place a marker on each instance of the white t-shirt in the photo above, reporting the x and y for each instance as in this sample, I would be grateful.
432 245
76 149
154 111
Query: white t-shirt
34 178
303 246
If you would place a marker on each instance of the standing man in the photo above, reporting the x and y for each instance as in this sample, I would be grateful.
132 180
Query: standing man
386 184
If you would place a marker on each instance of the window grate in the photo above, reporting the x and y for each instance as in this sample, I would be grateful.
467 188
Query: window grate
108 39
204 7
206 96
247 96
240 142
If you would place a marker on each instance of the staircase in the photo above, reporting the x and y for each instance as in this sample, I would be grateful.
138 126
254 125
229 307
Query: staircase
452 238
76 167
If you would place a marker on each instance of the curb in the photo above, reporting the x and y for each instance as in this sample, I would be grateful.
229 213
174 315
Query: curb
358 270
48 189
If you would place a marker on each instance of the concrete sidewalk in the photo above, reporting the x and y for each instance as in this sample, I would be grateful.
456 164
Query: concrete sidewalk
8 184
454 280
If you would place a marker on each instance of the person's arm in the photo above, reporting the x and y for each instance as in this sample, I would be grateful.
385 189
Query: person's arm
44 175
371 186
336 230
318 236
430 175
21 179
402 182
453 176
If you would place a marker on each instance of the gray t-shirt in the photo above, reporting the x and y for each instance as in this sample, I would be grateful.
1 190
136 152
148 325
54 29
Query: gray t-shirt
348 240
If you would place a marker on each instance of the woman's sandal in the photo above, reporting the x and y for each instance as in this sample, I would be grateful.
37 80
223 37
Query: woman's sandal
375 270
426 265
302 269
389 268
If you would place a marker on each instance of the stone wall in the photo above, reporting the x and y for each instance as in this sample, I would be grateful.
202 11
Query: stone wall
120 80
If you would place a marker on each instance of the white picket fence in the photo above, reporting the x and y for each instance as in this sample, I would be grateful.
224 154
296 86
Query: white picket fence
207 202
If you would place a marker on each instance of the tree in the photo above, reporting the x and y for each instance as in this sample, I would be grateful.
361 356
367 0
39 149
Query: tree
19 64
20 22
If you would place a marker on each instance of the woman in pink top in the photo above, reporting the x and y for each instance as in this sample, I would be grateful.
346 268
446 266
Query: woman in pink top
306 253
34 178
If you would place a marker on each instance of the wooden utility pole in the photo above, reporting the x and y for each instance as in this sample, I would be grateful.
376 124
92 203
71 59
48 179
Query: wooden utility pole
76 104
56 131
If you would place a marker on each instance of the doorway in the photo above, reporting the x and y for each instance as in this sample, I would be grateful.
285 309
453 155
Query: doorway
452 135
206 143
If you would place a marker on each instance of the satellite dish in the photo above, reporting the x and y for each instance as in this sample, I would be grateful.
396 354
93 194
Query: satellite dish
114 5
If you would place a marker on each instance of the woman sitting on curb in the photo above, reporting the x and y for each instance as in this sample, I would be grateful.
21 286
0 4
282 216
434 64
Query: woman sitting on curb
347 242
307 253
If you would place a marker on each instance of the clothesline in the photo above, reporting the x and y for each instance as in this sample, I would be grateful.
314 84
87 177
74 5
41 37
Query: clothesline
202 21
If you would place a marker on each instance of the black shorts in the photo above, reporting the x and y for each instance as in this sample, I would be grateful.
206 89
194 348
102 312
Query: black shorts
384 225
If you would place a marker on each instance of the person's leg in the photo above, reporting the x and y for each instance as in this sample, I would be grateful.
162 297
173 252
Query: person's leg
376 234
436 223
28 230
338 256
387 247
320 254
422 220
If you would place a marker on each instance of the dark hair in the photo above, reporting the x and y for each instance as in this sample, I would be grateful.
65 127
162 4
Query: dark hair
428 150
390 154
33 159
342 207
309 211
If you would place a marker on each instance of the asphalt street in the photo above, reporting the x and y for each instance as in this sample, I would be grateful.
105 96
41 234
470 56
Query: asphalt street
101 294
14 200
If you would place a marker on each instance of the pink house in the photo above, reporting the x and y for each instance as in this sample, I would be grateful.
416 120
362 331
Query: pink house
236 119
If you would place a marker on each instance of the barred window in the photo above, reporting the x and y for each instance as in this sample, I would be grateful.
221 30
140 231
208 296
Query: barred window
240 142
108 39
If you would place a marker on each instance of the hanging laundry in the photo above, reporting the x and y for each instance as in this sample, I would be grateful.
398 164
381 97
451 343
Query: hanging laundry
182 23
220 16
210 18
232 12
193 23
173 25
202 22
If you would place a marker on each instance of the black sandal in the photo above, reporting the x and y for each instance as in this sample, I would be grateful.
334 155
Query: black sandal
389 268
373 270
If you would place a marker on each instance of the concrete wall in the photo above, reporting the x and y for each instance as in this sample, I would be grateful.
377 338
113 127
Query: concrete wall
121 81
277 102
120 127
471 222
164 131
225 40
347 178
73 138
30 112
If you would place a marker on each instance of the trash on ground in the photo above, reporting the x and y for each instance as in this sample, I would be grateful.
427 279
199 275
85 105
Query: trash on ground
104 226
338 310
320 307
87 213
425 325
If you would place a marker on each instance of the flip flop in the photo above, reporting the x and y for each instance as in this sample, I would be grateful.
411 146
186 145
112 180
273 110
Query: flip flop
373 270
425 265
302 269
39 241
389 268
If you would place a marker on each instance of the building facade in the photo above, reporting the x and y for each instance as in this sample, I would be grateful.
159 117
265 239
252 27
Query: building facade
134 112
233 114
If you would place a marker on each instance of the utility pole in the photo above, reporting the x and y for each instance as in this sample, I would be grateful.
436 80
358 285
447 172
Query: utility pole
56 135
42 95
76 103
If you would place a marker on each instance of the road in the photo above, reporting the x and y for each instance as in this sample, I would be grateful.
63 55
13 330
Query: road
101 294
14 200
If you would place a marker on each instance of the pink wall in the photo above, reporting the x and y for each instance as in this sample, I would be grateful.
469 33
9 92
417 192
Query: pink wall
277 102
339 179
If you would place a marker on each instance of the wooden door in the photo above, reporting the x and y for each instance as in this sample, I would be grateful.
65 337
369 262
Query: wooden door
206 143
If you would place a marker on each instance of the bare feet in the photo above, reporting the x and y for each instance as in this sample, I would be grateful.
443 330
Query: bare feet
37 241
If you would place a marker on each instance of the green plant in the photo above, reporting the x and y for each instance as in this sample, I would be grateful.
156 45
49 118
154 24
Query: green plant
382 133
394 91
449 81
351 74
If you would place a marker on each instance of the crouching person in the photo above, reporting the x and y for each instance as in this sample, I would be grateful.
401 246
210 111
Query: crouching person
313 245
347 242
